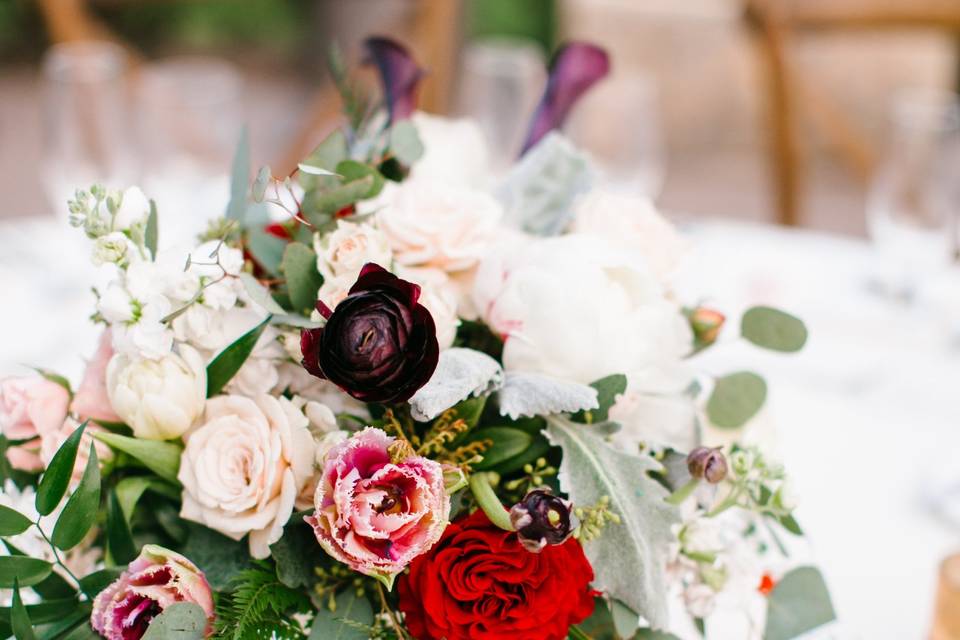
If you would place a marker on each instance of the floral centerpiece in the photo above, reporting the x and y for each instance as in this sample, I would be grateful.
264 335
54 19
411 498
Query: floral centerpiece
396 396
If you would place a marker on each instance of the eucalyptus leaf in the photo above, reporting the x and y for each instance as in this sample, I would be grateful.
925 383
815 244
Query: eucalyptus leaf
507 443
629 558
260 294
299 267
313 170
56 478
608 389
80 511
318 205
405 143
151 235
535 394
351 170
259 189
239 177
773 329
329 153
12 522
179 621
460 373
799 603
266 249
223 367
163 458
735 399
119 538
28 571
346 622
19 619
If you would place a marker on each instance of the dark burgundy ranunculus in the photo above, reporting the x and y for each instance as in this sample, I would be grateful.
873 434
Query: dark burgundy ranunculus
379 344
542 518
479 583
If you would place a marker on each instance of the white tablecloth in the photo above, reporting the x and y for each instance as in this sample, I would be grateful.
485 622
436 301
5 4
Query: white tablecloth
865 416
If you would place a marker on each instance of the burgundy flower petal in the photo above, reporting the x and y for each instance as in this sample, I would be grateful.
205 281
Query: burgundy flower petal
575 68
399 74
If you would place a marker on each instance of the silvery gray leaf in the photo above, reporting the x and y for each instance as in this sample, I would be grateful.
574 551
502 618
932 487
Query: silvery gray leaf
534 394
539 191
629 558
460 373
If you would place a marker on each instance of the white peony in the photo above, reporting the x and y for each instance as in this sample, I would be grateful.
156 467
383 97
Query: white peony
573 308
439 225
159 399
344 251
244 466
632 223
455 151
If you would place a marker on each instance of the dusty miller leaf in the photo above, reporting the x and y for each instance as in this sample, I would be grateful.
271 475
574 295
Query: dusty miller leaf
629 558
460 373
534 394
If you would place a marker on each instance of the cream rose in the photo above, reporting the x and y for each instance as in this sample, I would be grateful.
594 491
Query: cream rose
159 399
244 466
344 251
439 295
433 224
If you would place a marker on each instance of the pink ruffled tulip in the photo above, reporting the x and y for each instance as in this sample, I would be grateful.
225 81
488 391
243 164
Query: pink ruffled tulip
157 579
375 515
30 408
91 400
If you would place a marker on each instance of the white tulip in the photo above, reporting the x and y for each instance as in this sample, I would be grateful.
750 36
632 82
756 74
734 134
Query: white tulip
159 399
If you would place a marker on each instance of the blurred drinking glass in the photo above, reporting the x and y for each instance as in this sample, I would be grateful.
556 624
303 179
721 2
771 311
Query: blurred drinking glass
501 83
914 200
190 123
618 122
87 120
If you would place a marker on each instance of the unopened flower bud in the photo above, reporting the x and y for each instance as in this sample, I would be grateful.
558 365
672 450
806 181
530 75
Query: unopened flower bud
542 518
708 464
706 324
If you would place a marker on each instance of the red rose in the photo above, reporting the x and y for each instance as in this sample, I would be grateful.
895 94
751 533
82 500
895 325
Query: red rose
479 583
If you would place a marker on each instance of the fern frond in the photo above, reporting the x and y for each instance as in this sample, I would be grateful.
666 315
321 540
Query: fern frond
259 606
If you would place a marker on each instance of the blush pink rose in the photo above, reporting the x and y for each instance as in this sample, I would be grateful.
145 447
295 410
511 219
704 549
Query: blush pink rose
91 400
157 579
29 408
375 515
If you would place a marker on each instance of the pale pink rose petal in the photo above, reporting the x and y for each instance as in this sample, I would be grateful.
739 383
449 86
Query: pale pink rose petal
91 399
31 406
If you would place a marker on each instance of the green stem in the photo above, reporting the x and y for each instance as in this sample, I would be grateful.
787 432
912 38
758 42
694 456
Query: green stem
726 504
683 492
59 561
489 502
576 634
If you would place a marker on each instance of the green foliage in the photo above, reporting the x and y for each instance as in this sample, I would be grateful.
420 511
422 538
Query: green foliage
608 389
93 583
299 267
23 569
119 538
12 522
220 558
266 249
506 443
350 619
799 603
56 478
293 553
80 512
19 619
163 458
179 621
222 369
405 142
239 178
773 329
736 398
151 236
258 605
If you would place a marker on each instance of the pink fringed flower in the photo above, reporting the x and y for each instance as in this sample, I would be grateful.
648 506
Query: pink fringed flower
376 515
157 579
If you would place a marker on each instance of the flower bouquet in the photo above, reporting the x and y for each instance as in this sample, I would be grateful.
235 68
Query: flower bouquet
395 396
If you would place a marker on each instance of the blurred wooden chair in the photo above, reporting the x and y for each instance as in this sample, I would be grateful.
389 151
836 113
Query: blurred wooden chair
789 96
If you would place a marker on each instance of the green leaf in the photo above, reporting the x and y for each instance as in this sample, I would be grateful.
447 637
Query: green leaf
405 142
80 512
28 571
773 329
625 619
19 619
507 443
299 267
260 294
790 524
329 153
332 200
799 603
179 621
220 558
93 583
151 235
128 493
629 558
351 170
119 538
260 184
222 369
470 410
608 389
46 611
82 632
56 478
292 554
12 522
266 249
239 177
163 458
346 621
736 398
650 634
72 626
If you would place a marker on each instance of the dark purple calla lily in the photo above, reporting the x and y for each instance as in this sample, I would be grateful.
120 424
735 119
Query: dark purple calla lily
575 68
399 74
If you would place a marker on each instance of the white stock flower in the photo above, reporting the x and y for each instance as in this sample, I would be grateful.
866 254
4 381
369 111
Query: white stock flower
113 248
116 305
345 250
134 209
244 466
433 224
145 336
295 380
454 151
159 399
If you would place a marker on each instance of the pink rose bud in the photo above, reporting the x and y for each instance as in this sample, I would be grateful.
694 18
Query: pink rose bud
375 515
30 408
91 400
157 579
706 324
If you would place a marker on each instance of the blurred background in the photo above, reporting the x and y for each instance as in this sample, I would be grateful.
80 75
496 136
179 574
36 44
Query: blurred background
811 148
